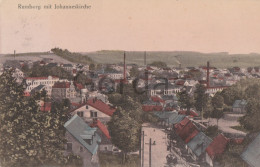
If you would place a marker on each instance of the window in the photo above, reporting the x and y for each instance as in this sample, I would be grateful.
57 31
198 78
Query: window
81 149
86 106
69 146
89 141
80 113
93 114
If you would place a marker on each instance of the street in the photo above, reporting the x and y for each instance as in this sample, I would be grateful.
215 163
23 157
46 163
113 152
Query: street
158 147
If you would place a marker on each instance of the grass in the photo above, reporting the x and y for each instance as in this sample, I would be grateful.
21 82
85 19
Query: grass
114 160
240 128
172 58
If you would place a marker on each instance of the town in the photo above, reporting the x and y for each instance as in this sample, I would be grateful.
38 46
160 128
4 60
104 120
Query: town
152 115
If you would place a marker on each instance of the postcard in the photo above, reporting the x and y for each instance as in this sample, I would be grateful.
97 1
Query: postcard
140 83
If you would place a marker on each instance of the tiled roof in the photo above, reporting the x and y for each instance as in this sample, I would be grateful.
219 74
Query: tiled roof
102 127
101 106
157 99
80 131
78 85
217 147
252 153
199 144
61 85
186 130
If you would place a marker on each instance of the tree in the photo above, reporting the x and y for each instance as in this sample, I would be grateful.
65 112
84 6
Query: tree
125 132
217 113
217 101
185 100
250 120
201 98
158 64
92 66
28 137
134 72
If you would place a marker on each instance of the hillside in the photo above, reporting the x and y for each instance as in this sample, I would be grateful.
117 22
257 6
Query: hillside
172 58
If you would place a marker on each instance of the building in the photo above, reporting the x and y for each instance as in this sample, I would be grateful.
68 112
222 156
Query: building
239 106
82 140
33 82
106 144
94 109
197 146
216 148
252 153
63 90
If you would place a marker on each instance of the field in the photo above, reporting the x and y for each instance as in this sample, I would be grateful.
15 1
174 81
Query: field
173 59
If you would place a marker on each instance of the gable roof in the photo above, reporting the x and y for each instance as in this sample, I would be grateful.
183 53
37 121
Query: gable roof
102 127
80 131
101 106
199 143
252 153
217 147
186 130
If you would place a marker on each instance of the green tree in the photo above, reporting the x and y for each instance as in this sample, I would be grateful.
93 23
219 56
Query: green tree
92 66
125 132
250 120
185 100
158 64
201 98
134 72
28 137
217 101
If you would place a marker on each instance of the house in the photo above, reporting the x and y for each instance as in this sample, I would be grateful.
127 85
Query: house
82 140
149 106
216 148
191 113
33 82
169 118
94 109
40 88
239 106
252 153
198 145
68 67
18 75
63 90
186 130
106 144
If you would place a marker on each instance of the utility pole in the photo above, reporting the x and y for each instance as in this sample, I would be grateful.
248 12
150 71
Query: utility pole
14 54
143 149
150 153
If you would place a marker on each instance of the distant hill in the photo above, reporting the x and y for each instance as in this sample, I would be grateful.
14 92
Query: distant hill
172 58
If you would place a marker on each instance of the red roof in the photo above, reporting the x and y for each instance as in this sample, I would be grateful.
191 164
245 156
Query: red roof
217 146
186 130
78 85
46 107
101 106
61 85
157 99
102 127
39 78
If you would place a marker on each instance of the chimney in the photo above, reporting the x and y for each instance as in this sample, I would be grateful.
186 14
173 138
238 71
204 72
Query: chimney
14 54
145 58
124 68
179 65
207 74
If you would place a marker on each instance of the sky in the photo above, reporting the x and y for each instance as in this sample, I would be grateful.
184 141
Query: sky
133 25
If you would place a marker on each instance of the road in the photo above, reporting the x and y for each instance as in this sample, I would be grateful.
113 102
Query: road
158 150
